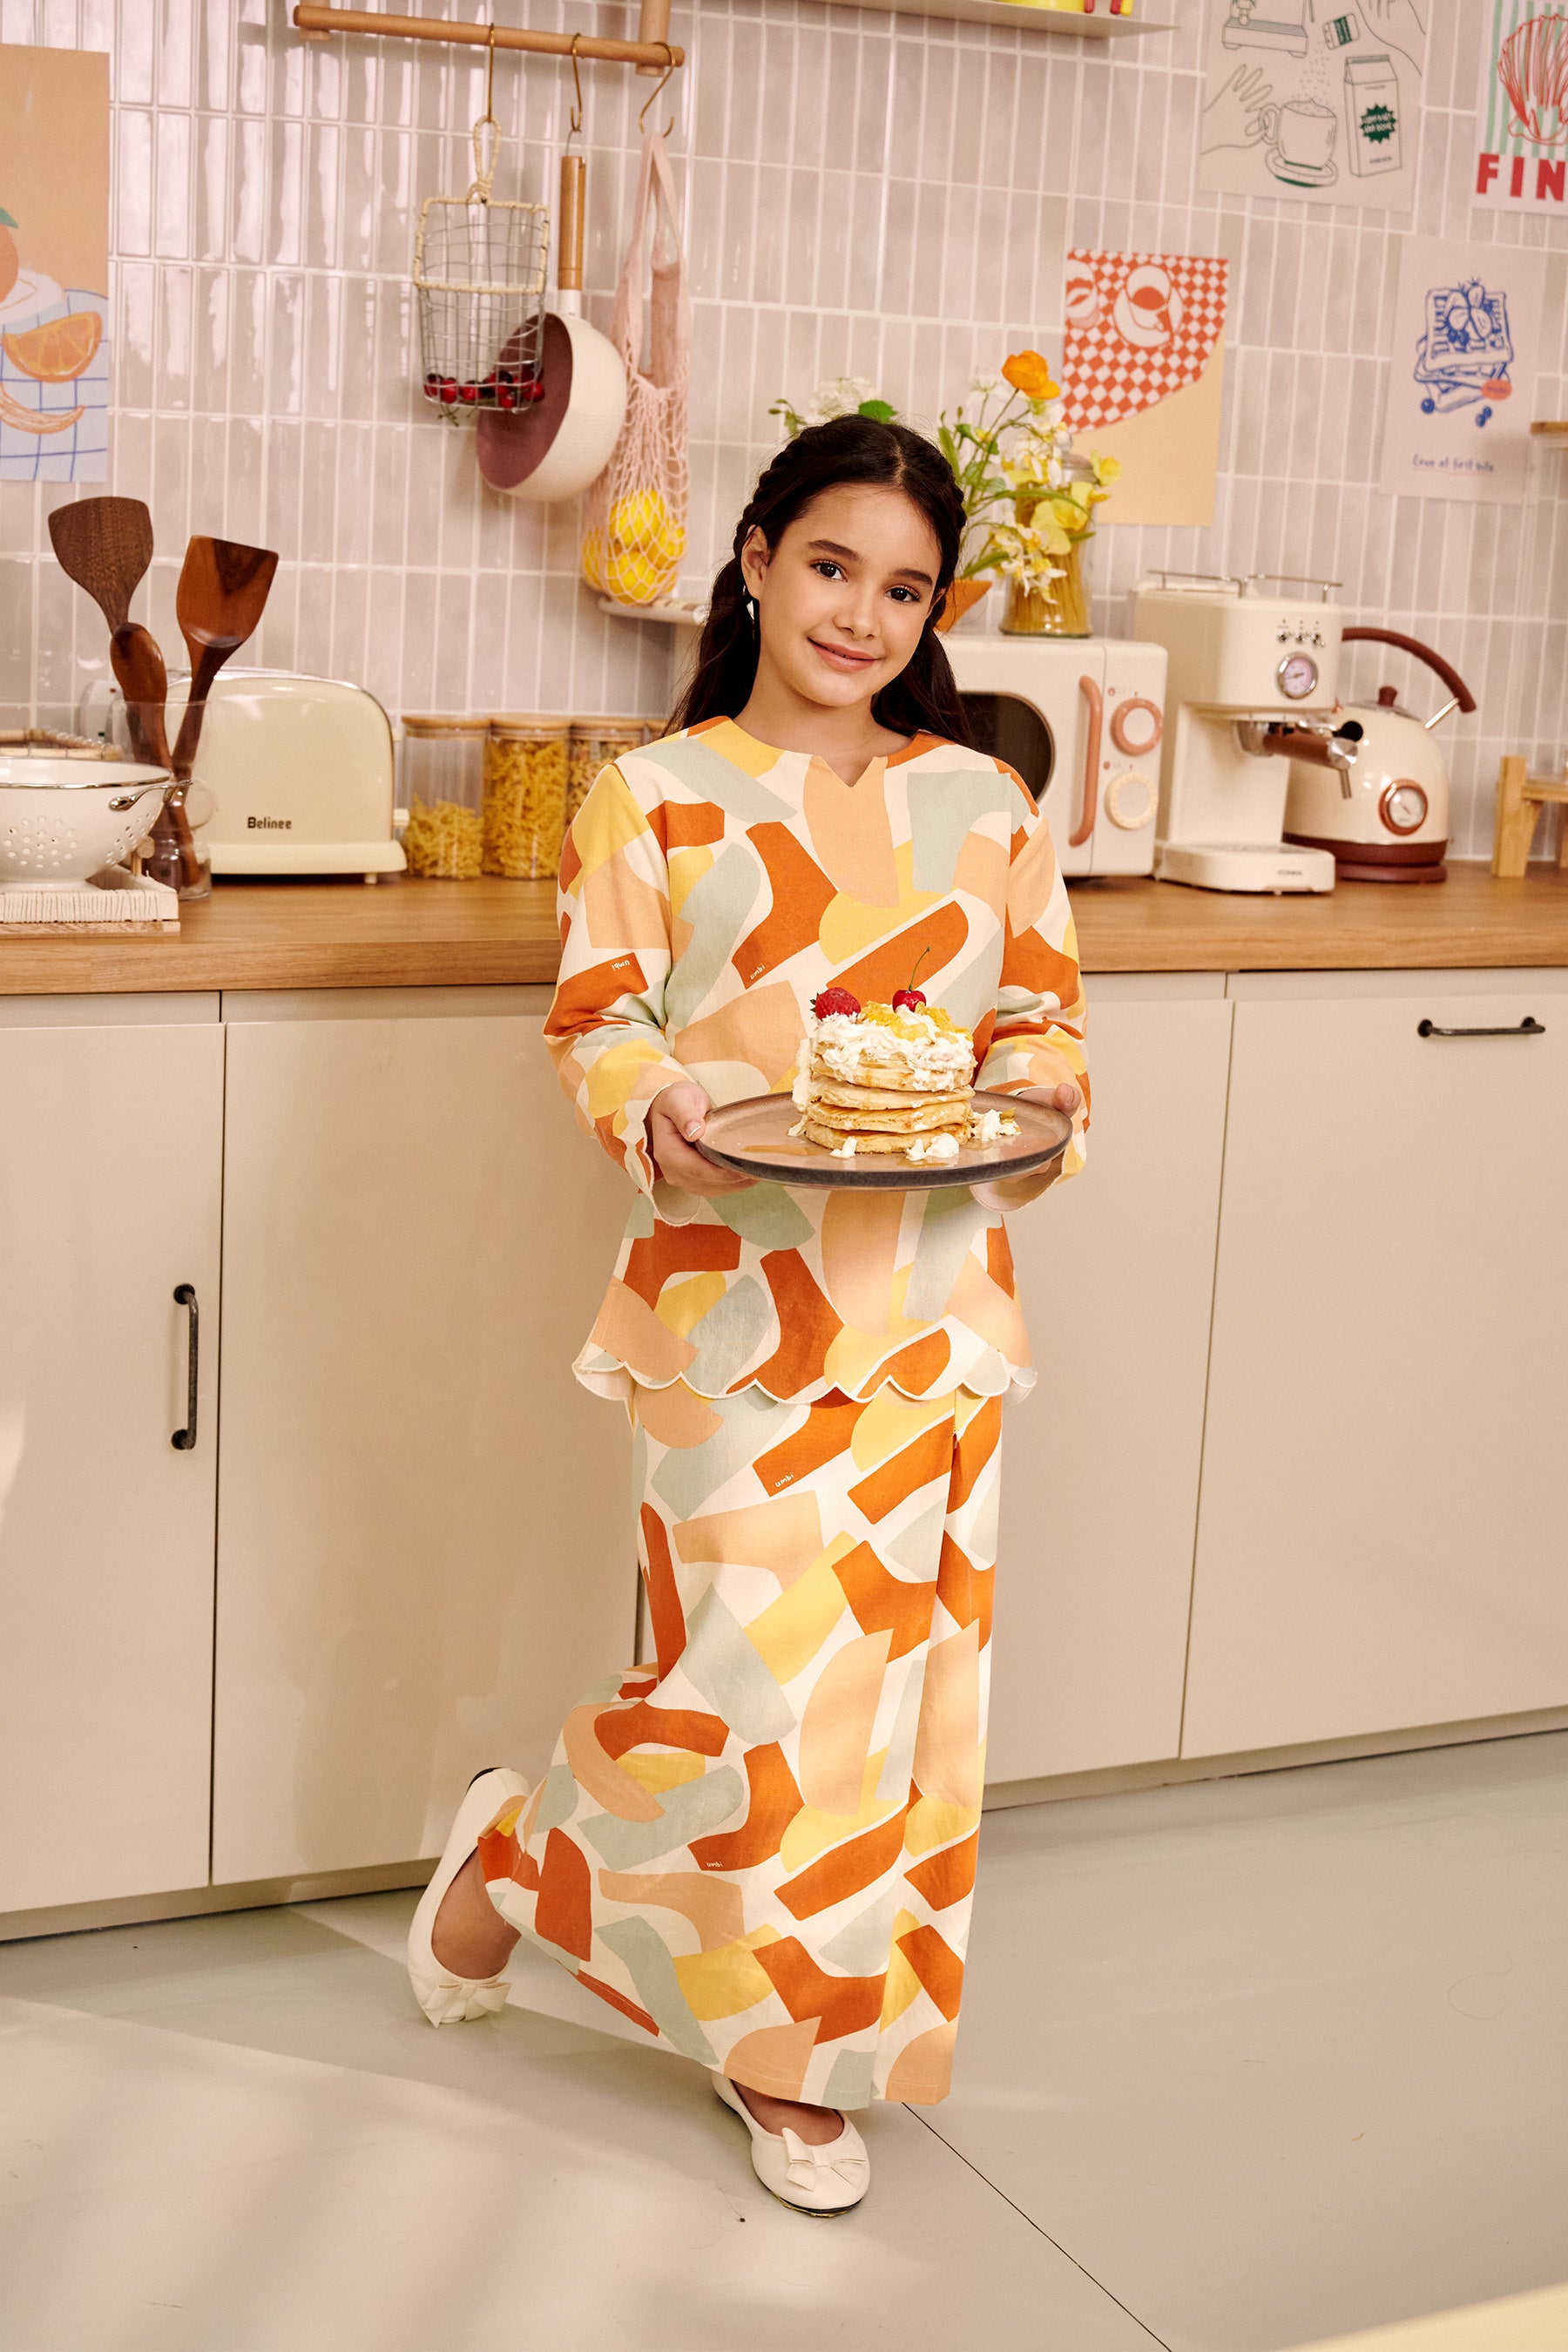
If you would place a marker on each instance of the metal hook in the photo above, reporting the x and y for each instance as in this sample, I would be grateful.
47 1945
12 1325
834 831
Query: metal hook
487 134
668 69
576 129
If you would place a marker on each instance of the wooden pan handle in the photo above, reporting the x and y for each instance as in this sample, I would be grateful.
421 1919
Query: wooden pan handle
569 252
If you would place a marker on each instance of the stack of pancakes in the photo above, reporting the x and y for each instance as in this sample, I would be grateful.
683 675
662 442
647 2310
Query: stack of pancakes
880 1079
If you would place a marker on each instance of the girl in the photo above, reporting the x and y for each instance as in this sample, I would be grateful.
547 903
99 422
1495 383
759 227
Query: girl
762 1849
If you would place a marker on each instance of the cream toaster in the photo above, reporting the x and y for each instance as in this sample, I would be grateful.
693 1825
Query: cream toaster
299 771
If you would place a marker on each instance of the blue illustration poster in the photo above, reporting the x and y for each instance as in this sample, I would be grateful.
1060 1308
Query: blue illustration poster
1462 378
53 265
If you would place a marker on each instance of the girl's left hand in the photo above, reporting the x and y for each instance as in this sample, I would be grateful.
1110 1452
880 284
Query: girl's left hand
1017 1191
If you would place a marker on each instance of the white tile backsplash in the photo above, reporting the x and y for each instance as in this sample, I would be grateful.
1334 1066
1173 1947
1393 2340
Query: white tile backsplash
864 193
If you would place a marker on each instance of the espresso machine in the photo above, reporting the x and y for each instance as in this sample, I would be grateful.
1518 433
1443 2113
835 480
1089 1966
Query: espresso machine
1250 687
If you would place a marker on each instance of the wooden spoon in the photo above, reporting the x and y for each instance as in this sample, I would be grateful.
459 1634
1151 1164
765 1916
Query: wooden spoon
105 546
221 597
143 681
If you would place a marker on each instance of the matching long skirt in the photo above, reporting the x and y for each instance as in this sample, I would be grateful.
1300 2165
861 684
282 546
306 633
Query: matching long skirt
762 1849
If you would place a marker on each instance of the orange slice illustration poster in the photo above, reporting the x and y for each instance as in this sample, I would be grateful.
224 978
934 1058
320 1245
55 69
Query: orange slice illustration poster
54 265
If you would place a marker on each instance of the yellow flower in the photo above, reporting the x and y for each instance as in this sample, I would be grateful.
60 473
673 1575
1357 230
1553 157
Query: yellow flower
1106 470
1027 372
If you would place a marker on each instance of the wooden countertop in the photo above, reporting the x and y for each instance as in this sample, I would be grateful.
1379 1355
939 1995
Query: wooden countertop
404 934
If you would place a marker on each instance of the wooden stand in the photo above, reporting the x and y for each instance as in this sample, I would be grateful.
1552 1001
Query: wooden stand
1520 797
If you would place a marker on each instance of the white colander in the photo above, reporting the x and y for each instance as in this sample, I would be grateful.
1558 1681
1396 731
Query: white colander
62 821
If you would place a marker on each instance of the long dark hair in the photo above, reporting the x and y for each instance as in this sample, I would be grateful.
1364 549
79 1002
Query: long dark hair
922 698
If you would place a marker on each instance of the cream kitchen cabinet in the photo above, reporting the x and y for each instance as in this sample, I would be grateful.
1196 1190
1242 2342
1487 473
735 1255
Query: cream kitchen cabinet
110 1161
424 1530
1384 1516
1099 1479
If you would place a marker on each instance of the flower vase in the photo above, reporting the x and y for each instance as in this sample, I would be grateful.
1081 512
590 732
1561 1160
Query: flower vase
1069 596
1059 609
963 595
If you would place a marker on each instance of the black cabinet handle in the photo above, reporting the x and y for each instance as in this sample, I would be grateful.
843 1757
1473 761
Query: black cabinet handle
186 1438
1529 1027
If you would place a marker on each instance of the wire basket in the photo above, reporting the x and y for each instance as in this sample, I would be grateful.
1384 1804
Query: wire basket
479 273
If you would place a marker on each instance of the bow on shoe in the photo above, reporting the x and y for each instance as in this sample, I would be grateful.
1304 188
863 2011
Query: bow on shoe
809 2167
458 2002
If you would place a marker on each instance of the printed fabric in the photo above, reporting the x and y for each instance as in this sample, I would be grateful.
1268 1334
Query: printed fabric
710 887
762 1849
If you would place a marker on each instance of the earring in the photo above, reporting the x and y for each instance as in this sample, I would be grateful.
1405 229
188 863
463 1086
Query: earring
748 605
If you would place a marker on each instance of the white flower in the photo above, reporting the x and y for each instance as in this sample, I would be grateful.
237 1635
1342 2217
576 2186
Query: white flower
838 395
1056 474
988 387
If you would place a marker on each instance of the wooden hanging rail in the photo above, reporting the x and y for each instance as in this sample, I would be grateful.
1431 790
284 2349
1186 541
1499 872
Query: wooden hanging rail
650 56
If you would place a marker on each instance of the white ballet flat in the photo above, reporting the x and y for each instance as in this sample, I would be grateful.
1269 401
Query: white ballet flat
813 2179
447 2000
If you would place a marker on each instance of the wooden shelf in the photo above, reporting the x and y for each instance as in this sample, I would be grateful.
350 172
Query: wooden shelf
1100 26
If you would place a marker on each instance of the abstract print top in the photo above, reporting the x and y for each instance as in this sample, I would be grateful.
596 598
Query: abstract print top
710 887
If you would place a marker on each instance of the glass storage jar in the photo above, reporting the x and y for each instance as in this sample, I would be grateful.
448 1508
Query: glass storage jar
443 791
595 742
525 795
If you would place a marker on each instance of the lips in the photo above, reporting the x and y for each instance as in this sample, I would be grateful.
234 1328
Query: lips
842 658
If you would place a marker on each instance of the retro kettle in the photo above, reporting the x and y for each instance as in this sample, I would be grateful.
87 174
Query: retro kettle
1385 816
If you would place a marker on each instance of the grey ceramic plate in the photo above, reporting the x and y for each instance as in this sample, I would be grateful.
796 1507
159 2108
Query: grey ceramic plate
755 1137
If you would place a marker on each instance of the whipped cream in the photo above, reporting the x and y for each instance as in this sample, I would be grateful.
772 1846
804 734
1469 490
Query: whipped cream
941 1146
936 1060
991 1126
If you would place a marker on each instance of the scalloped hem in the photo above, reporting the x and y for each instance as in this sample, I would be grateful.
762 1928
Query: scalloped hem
617 1382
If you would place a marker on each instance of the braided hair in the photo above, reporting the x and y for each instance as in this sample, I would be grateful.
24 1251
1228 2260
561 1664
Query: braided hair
924 698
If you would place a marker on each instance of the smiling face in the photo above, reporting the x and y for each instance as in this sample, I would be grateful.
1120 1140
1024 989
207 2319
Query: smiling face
844 596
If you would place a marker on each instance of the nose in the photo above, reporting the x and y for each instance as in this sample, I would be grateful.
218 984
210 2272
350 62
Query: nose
856 612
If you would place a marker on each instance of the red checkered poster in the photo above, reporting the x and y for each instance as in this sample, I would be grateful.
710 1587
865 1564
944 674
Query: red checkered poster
1142 360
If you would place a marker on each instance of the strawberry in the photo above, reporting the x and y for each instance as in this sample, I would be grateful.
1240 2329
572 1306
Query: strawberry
835 1000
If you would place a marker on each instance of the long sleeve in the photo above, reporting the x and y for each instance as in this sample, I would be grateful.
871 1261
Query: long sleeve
1036 1034
606 1028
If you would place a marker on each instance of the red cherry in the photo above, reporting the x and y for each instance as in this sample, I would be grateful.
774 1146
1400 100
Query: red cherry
908 1000
505 395
469 392
835 1000
449 389
531 390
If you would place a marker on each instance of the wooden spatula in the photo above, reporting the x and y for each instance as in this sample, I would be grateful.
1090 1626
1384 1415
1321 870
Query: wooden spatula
105 546
143 681
221 597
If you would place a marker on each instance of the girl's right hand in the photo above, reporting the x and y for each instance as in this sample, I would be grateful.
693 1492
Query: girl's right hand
676 1120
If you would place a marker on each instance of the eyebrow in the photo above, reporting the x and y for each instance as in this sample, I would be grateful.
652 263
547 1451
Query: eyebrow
905 572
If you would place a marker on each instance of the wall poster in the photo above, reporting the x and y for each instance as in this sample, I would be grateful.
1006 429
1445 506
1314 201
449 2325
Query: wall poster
1143 374
1314 98
1462 380
53 265
1521 109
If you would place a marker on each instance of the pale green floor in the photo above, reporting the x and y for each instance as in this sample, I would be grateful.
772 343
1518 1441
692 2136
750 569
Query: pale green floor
1242 2063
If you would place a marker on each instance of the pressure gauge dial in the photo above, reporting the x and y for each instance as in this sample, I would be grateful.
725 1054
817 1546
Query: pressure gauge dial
1403 806
1297 675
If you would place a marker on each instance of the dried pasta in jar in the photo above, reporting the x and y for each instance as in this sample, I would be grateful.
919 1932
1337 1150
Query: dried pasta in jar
442 841
526 762
442 781
595 742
